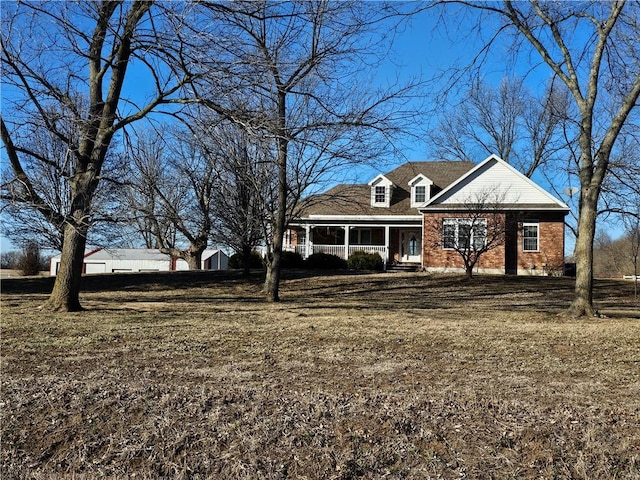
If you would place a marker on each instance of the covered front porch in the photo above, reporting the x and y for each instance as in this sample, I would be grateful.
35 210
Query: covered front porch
394 244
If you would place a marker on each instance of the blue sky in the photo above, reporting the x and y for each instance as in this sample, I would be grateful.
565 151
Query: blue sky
429 49
423 49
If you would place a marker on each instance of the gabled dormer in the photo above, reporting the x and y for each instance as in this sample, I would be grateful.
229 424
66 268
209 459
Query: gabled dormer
420 188
381 191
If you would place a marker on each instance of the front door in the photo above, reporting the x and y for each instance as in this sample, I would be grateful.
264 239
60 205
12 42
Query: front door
410 246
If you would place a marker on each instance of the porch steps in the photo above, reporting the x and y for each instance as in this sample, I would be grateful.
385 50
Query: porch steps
404 267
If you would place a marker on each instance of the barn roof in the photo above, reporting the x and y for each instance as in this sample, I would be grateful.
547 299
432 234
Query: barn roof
126 254
132 254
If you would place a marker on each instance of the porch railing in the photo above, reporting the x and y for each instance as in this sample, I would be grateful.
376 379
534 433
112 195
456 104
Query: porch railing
338 250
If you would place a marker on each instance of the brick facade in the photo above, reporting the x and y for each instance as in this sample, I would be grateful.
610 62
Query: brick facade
550 254
549 257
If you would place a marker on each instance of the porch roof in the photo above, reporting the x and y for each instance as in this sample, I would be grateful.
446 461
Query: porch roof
393 221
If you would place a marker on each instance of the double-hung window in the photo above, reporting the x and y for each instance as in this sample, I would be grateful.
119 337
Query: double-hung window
464 233
480 234
420 194
380 194
530 236
449 228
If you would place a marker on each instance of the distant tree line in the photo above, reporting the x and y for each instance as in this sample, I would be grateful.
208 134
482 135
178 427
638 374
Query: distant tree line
615 258
28 261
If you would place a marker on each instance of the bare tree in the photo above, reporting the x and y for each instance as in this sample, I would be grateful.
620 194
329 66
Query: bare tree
30 261
621 187
9 260
632 228
601 70
171 182
508 121
286 72
24 221
244 190
481 226
85 51
619 257
144 178
607 259
48 162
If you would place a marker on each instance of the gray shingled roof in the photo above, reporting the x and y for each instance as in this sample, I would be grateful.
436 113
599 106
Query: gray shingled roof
356 199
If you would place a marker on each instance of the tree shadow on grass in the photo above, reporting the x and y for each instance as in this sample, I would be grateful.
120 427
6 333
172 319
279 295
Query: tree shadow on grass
418 291
113 282
327 289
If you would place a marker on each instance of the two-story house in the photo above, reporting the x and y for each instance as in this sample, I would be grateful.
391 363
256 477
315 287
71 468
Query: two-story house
415 214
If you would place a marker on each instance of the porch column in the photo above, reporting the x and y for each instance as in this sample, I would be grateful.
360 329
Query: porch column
386 246
307 234
346 242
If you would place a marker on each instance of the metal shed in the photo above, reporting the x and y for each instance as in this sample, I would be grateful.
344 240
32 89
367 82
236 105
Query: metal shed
116 260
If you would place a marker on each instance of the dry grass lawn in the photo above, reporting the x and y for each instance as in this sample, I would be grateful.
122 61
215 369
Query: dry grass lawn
193 376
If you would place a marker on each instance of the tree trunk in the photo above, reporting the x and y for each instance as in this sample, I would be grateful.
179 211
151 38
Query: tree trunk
194 260
582 304
194 254
272 279
65 296
246 260
468 270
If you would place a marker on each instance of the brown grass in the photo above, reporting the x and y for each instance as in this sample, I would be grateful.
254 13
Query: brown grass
370 376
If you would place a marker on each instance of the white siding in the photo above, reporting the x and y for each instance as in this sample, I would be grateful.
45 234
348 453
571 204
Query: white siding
54 264
96 267
383 182
213 254
500 182
420 181
126 265
140 265
120 260
137 260
218 259
181 264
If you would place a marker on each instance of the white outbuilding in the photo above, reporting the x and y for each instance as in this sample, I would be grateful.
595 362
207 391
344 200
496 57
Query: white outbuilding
211 260
117 260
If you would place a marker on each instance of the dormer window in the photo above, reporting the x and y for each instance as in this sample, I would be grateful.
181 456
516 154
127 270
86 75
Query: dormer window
420 188
381 191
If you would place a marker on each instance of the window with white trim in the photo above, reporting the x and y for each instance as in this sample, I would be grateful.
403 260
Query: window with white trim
530 236
420 195
464 233
380 194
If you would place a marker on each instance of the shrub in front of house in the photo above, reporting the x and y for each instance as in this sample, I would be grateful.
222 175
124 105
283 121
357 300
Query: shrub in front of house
325 261
365 261
235 261
291 260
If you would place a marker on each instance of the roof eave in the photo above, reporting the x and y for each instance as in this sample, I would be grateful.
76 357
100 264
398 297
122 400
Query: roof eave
514 208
